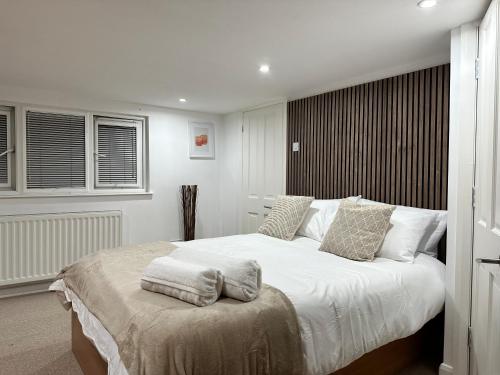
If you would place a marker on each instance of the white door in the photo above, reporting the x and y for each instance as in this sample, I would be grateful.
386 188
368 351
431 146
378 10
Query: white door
263 163
485 349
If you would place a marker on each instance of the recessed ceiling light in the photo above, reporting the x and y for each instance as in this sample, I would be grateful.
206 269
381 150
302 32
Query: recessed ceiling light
264 68
182 100
427 3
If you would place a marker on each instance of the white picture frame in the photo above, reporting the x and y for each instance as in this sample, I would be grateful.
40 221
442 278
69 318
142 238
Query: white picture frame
201 140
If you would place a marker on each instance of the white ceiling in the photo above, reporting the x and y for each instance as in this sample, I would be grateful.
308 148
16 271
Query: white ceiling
209 51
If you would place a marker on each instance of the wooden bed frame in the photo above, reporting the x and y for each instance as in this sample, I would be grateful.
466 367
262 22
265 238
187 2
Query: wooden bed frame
389 359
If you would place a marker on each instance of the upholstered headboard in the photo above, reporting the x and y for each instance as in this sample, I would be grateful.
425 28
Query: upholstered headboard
385 140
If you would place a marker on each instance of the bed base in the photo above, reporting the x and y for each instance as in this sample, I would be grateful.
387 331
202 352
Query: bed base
86 354
389 359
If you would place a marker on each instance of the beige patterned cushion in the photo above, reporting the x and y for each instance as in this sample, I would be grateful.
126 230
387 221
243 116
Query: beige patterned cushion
357 230
285 218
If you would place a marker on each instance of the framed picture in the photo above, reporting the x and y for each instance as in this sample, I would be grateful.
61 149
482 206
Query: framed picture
201 140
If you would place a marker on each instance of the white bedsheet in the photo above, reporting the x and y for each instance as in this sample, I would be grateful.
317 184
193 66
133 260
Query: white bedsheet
344 308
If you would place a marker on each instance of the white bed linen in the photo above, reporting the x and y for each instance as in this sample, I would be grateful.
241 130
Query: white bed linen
344 308
94 330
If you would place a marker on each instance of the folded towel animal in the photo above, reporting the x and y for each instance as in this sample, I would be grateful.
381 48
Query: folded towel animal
193 283
242 277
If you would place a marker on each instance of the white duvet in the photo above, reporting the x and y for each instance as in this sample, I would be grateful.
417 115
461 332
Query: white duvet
345 308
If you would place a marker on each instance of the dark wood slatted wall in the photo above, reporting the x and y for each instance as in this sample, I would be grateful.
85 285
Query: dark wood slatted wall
385 140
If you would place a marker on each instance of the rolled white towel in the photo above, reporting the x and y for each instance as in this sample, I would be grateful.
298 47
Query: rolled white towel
242 277
193 283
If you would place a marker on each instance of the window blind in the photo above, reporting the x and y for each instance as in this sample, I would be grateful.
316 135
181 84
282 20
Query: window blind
4 173
117 155
55 150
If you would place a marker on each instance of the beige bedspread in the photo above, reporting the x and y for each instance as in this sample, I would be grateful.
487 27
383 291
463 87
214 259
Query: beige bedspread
157 334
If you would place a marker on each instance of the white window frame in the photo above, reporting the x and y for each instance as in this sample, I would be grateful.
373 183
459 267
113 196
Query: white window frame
138 124
17 169
10 150
52 191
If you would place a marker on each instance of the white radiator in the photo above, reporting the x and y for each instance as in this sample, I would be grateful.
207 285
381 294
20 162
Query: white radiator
36 247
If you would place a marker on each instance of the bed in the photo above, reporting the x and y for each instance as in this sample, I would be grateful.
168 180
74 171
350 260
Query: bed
354 317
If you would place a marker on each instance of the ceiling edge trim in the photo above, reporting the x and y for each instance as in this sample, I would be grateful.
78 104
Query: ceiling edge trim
374 76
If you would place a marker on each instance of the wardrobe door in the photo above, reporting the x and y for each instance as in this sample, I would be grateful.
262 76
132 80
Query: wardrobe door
263 163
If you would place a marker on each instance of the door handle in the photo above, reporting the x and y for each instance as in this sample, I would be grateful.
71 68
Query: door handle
269 207
488 261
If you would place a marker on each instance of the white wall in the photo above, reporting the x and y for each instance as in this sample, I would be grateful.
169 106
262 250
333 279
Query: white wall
460 181
231 173
147 218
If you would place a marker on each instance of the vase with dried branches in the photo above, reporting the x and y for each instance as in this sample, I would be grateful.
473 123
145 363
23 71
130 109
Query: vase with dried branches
188 204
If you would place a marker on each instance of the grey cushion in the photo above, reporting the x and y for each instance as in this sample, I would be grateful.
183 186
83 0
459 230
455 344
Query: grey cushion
285 217
357 231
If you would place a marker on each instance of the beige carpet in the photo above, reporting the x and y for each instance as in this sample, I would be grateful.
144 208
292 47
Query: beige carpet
35 338
35 334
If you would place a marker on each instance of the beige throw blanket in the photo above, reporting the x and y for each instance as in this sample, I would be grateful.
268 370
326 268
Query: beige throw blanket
161 335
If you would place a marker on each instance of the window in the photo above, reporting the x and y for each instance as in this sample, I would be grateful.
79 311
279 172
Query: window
118 153
64 153
55 150
6 148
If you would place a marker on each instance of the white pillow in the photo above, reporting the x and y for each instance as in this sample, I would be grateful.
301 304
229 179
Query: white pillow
430 243
410 228
435 231
319 217
314 222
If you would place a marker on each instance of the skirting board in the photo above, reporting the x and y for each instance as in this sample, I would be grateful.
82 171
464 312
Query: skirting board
445 369
24 289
